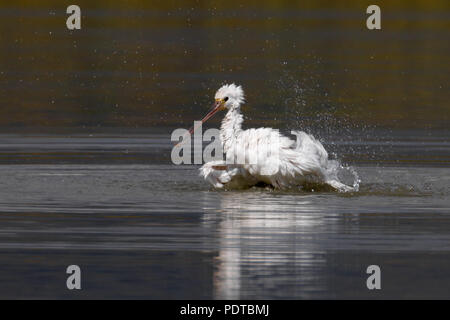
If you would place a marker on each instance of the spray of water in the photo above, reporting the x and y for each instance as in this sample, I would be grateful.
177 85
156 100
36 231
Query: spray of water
316 114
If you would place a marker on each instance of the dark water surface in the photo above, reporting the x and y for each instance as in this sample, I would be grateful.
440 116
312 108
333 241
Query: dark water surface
158 231
147 63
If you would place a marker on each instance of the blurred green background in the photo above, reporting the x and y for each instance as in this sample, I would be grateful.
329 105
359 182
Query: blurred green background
146 64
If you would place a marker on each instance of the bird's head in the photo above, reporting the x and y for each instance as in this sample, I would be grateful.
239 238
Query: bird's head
228 97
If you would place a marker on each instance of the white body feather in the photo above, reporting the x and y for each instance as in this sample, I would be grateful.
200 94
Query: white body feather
264 155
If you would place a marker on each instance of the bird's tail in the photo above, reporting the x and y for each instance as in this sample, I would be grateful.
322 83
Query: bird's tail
339 186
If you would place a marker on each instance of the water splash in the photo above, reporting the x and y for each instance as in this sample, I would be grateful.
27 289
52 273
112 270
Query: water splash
316 114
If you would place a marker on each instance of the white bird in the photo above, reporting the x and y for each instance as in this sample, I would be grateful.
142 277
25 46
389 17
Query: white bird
263 155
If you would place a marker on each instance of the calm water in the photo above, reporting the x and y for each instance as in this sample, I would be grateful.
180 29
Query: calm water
85 170
158 231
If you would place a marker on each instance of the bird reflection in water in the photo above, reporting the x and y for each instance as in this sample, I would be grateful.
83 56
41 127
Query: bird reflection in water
266 245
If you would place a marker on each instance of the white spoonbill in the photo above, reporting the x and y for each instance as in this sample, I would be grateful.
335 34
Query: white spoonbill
278 161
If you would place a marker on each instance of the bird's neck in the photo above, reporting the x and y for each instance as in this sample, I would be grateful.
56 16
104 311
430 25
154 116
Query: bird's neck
230 128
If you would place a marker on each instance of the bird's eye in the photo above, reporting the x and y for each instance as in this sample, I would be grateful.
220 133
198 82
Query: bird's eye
225 99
